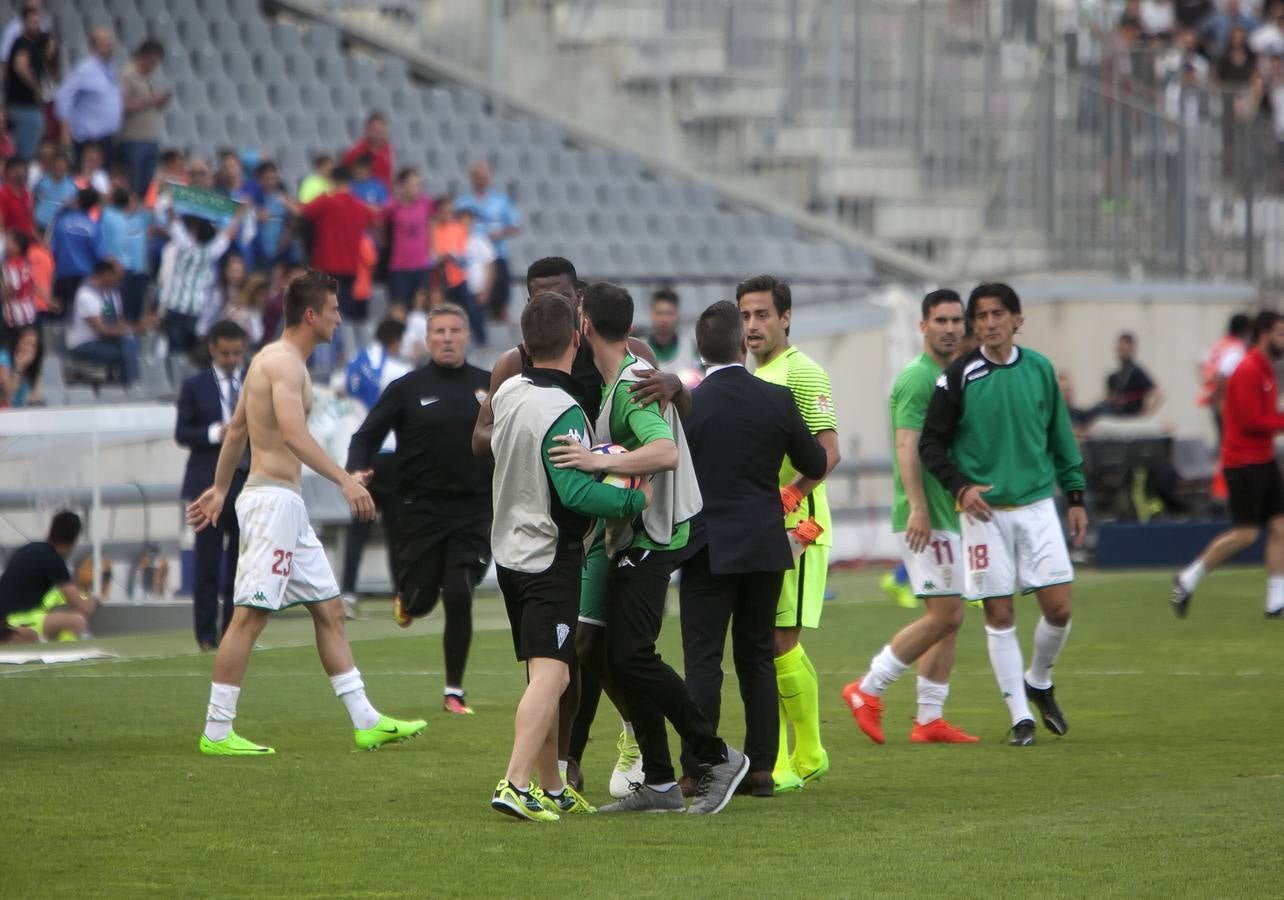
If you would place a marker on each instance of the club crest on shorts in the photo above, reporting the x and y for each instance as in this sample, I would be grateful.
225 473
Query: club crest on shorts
563 632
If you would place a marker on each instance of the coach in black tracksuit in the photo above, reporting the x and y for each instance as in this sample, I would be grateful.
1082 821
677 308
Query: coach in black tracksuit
444 491
739 430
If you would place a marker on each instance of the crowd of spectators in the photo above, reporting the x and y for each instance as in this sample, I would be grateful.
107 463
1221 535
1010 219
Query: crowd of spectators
101 260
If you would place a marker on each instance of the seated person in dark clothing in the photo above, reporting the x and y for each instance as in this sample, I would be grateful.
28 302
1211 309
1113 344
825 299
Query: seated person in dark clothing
1129 390
38 598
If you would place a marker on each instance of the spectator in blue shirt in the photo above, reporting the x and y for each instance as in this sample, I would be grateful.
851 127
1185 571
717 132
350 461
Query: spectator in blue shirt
230 181
89 99
366 187
496 218
274 242
54 191
125 226
76 243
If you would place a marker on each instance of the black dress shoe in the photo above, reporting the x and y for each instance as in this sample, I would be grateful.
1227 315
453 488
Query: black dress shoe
757 784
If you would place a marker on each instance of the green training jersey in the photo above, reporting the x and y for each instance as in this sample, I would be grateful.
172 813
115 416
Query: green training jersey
634 426
809 384
910 395
1002 424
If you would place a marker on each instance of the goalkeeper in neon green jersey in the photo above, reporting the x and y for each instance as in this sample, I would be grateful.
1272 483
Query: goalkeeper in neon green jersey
766 307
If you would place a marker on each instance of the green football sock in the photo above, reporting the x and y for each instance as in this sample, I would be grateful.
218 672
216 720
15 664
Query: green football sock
800 696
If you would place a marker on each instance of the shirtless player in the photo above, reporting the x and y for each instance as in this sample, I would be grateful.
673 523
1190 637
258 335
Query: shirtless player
282 563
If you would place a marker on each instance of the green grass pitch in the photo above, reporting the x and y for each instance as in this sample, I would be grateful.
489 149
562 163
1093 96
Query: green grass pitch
1170 783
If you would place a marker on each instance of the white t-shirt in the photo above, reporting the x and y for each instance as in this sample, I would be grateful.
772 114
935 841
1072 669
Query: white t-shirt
480 253
90 303
1230 360
414 343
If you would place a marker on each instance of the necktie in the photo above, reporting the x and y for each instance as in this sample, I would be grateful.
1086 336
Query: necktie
233 394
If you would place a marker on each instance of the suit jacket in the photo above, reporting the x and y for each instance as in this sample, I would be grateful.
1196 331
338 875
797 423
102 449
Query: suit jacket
740 429
199 407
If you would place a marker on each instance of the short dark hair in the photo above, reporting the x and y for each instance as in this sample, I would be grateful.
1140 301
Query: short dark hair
310 290
264 167
548 325
935 298
376 116
320 158
120 197
550 267
665 295
1240 325
365 159
103 266
1127 336
720 334
610 308
22 239
86 199
999 291
226 330
65 527
390 331
406 172
170 156
781 297
1264 323
151 47
341 175
13 162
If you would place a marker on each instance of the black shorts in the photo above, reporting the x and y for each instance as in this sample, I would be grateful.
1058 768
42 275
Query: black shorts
423 560
544 607
1256 493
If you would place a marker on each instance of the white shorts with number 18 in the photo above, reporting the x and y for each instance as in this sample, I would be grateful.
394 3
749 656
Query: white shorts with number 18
1021 548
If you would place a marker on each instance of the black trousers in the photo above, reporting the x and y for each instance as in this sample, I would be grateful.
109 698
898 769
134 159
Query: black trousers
746 602
217 550
383 490
636 583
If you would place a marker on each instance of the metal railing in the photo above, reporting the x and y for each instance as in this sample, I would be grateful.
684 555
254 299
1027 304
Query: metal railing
946 126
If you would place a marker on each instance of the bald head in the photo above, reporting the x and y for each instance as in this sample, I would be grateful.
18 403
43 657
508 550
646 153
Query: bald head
103 42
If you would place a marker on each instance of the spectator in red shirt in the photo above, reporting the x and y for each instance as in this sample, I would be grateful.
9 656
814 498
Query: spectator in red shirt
1250 420
374 142
16 210
338 221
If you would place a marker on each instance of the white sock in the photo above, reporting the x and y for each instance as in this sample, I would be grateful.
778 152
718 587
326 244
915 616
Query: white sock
1005 660
628 729
349 688
931 700
1190 576
453 692
884 668
562 766
661 788
1274 593
222 710
1048 641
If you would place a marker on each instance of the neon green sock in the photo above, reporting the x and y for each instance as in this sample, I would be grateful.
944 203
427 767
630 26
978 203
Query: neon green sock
800 695
783 765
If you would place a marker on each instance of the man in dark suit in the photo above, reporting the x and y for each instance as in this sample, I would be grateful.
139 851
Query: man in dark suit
739 429
205 406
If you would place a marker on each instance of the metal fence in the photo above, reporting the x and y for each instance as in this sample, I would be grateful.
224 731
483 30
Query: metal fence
983 121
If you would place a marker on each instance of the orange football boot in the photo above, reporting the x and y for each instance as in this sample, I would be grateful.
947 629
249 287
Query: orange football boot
939 731
867 710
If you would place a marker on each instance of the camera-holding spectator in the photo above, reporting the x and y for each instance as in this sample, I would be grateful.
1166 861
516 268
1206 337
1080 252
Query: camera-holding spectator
246 309
17 212
497 219
125 226
274 240
317 182
143 101
480 274
409 216
89 100
1129 390
366 186
20 369
24 84
75 241
54 191
90 171
373 143
21 304
187 276
99 333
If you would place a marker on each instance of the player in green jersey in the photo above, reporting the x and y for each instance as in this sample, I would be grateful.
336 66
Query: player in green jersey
766 305
998 437
927 531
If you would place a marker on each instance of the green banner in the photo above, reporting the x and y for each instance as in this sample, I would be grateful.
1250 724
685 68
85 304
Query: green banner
193 201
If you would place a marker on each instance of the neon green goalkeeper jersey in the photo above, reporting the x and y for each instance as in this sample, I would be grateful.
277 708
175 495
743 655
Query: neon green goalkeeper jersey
809 384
